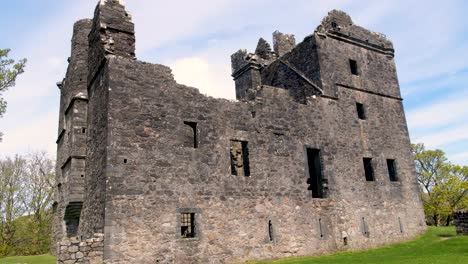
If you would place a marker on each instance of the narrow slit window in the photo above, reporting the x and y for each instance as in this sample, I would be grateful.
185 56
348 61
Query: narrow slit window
187 225
240 165
400 225
83 130
315 179
365 228
270 230
192 137
361 111
392 170
368 169
320 227
354 67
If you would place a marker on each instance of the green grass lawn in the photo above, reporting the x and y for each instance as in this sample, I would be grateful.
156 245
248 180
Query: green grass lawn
438 245
41 259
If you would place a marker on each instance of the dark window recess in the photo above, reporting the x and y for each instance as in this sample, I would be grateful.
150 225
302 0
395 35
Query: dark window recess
82 175
83 130
187 225
368 169
353 66
54 207
361 111
125 161
365 228
320 227
334 25
72 218
192 137
239 152
345 241
270 230
315 180
400 225
392 170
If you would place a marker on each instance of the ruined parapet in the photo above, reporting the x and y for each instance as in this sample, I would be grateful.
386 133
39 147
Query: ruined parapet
112 34
337 24
246 73
283 43
461 222
74 250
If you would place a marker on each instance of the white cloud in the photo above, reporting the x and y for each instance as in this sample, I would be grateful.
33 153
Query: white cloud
446 112
444 137
459 158
38 135
210 79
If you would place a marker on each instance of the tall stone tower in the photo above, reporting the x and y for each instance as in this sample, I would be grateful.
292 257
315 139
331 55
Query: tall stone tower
314 157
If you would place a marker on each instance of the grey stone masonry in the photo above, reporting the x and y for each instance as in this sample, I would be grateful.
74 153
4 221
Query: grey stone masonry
461 222
297 165
73 250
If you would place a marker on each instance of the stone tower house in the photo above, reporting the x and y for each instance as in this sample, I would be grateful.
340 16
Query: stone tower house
313 157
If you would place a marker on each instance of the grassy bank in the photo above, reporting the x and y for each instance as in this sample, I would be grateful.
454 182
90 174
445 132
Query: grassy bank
439 245
41 259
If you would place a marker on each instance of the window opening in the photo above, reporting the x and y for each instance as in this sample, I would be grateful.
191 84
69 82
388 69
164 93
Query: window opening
400 225
365 229
270 230
194 137
315 180
392 170
353 66
320 227
369 171
361 111
187 225
240 165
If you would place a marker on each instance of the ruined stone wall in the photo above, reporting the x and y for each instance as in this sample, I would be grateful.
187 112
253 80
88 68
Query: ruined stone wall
164 177
92 217
461 222
112 34
71 141
73 250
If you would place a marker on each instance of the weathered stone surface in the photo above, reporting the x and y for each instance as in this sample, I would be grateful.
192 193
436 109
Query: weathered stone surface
144 175
77 251
461 222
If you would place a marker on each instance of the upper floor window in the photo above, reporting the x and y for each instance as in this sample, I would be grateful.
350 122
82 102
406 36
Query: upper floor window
368 169
392 170
361 111
354 67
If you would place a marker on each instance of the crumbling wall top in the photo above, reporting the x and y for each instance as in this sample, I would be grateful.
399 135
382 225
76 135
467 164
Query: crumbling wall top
340 25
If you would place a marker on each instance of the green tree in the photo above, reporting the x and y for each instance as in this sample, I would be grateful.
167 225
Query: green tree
26 194
444 186
9 70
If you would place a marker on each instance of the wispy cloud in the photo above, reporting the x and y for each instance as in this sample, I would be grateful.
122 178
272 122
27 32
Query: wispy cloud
448 111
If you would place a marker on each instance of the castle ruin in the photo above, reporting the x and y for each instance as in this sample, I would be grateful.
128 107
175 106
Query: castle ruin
313 157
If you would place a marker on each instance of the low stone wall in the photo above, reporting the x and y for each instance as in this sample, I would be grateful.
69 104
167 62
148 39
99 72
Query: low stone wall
73 250
461 222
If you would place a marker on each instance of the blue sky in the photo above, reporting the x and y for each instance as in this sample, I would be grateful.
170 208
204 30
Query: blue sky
196 38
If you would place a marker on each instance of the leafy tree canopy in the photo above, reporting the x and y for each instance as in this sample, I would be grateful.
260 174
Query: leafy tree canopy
9 70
